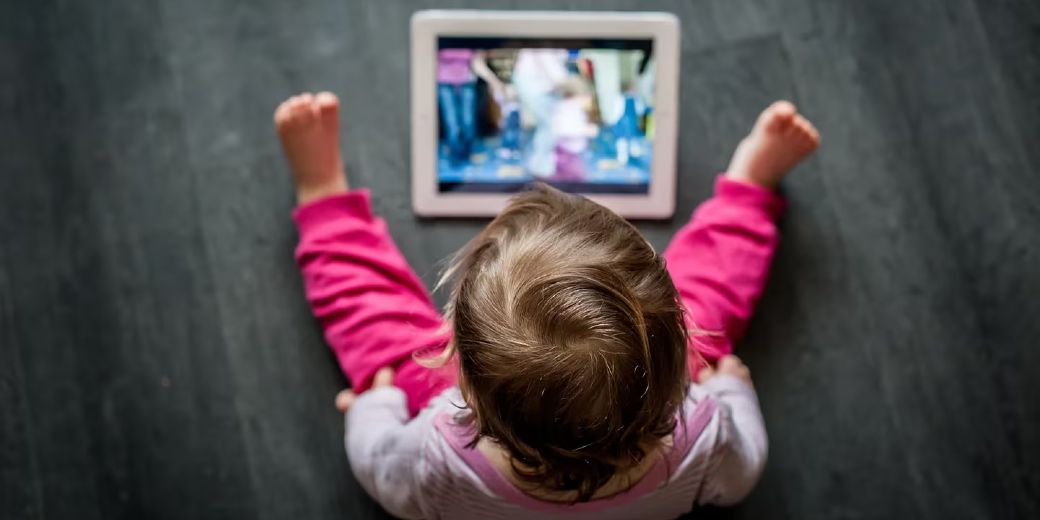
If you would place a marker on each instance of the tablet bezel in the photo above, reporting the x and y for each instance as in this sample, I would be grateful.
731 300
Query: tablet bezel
427 26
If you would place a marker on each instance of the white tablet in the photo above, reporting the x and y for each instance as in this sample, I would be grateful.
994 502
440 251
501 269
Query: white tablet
583 101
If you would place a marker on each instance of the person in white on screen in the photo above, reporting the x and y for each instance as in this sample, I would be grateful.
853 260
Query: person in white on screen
535 76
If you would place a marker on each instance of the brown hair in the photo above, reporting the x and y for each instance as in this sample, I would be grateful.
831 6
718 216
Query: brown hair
570 341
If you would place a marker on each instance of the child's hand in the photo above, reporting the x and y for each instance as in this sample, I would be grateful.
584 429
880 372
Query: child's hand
728 364
384 377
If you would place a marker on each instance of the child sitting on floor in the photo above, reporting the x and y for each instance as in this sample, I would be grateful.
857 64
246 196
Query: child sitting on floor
587 376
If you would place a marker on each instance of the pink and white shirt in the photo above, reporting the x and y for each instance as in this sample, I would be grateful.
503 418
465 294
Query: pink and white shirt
421 468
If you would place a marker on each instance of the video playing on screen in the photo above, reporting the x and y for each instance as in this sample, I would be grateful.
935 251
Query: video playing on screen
577 114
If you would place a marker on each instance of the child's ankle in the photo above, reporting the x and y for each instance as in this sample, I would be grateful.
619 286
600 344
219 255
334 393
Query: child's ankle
742 177
306 194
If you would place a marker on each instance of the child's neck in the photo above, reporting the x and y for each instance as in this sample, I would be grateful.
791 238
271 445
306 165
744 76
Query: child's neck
619 483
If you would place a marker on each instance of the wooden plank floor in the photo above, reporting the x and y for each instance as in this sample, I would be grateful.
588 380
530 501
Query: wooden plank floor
157 359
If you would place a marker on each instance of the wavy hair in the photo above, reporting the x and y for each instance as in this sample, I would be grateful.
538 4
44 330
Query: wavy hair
570 340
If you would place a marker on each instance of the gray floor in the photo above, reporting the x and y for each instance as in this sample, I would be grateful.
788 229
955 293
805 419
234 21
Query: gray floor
157 359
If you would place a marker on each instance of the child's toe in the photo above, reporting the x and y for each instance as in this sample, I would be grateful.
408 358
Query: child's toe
783 109
282 113
302 110
328 109
778 116
326 100
799 129
297 112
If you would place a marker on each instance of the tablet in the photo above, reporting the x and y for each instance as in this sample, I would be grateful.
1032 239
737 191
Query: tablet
583 101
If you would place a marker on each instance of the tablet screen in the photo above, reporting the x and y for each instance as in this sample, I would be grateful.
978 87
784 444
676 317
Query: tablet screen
575 113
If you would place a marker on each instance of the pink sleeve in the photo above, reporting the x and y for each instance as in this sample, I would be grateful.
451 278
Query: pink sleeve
719 262
374 310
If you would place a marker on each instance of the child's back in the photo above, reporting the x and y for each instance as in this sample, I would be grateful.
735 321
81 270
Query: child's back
570 336
423 468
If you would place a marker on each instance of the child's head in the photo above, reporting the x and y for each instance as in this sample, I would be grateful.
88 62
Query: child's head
570 340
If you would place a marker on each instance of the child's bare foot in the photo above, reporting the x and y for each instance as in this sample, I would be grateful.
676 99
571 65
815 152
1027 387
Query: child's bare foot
308 126
780 139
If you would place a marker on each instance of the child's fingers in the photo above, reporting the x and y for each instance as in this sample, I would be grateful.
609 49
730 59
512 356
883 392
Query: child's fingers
734 366
730 363
384 377
705 373
344 399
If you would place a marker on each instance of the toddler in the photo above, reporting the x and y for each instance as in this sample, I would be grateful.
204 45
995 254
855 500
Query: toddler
583 374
